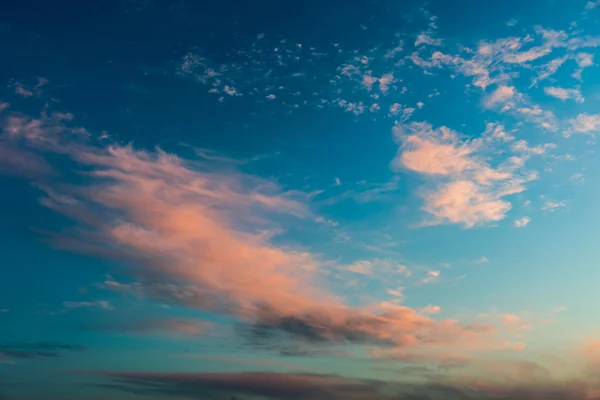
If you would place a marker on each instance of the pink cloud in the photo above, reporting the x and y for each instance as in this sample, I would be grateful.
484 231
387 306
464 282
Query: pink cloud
149 326
431 310
22 91
500 96
466 202
432 276
466 188
196 235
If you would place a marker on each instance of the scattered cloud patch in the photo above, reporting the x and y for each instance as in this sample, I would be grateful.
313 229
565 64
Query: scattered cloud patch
500 96
553 205
522 222
585 123
100 304
564 94
468 189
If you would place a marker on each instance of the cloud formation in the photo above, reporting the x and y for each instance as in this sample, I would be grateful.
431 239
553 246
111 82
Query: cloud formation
468 190
201 237
533 384
11 351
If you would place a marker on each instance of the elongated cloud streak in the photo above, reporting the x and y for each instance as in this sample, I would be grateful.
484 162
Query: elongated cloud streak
196 236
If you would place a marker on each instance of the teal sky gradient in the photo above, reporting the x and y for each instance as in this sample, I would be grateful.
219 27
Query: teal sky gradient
272 200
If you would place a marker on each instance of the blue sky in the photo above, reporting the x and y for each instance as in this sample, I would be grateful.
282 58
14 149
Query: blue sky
262 200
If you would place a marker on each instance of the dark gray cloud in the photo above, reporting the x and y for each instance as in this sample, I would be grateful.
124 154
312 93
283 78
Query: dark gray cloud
35 350
273 386
44 346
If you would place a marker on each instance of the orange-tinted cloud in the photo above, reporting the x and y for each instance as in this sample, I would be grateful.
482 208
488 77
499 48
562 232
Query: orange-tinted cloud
467 189
202 237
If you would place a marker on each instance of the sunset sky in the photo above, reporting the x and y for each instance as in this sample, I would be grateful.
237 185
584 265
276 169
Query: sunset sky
321 200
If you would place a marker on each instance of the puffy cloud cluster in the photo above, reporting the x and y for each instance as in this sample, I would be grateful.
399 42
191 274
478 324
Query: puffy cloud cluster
467 189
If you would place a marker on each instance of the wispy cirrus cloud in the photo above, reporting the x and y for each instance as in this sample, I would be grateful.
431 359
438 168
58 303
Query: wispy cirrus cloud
500 96
35 350
99 304
564 94
154 325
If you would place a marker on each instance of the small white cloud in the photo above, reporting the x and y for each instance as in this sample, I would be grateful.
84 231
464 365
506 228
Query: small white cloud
585 123
578 177
430 310
271 96
481 260
564 94
512 22
398 292
500 96
22 91
101 304
231 91
522 222
395 109
431 277
337 181
426 38
553 205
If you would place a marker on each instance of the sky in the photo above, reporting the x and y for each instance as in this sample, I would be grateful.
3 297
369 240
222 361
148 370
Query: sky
266 200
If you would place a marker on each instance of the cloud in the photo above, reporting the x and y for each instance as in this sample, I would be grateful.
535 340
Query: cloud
495 131
545 71
553 205
585 123
481 260
426 38
432 276
148 326
100 304
434 155
200 235
592 4
431 310
522 222
378 267
513 322
225 386
398 293
466 202
583 60
468 189
22 91
508 380
500 96
35 350
564 94
543 118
